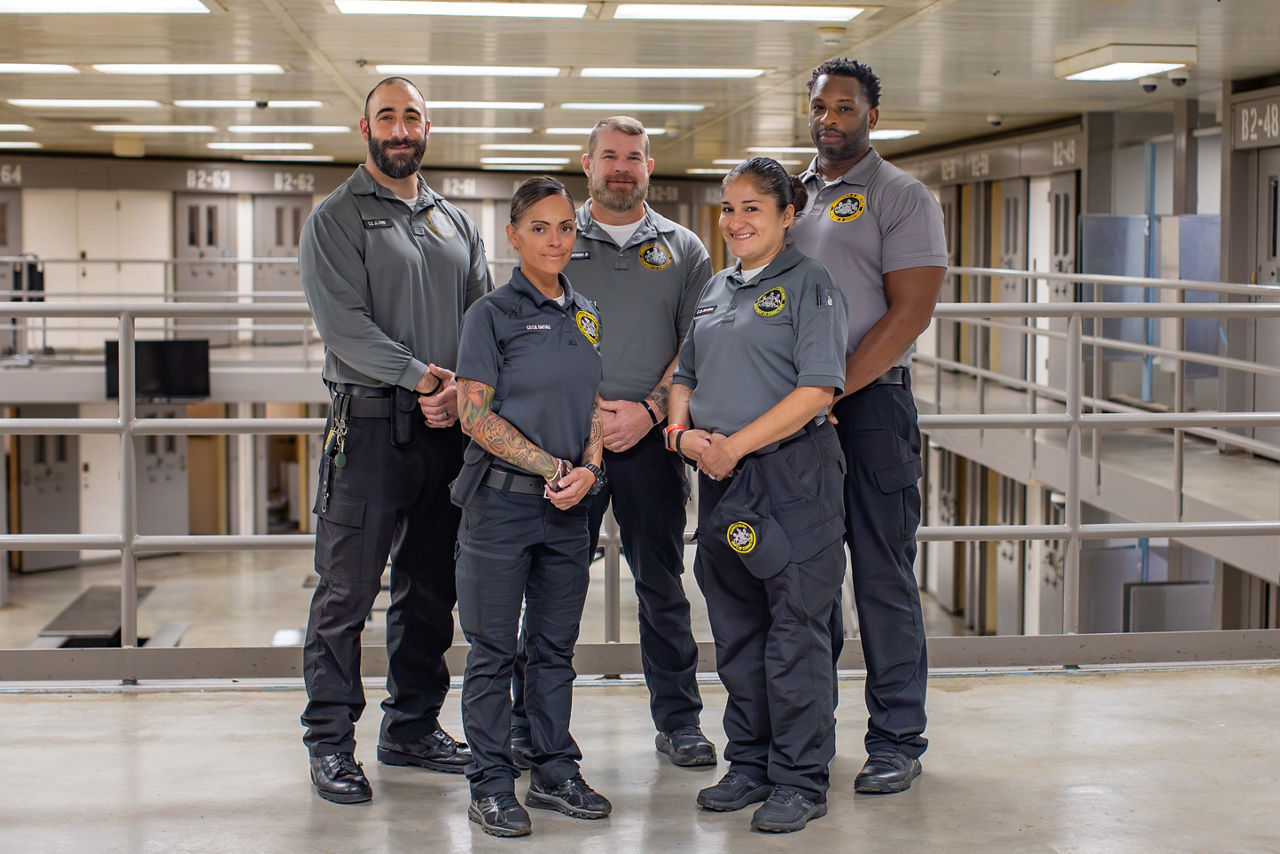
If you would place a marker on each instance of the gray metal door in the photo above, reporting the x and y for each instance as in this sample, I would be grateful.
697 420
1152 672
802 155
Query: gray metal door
163 495
1266 336
10 274
1010 558
940 575
204 227
48 488
1012 222
948 340
1064 213
277 225
1052 568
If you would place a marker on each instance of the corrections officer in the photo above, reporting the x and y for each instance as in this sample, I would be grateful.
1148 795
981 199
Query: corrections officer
758 369
528 372
879 231
388 267
645 273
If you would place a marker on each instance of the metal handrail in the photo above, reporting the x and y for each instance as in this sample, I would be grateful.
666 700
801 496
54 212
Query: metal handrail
1251 289
130 543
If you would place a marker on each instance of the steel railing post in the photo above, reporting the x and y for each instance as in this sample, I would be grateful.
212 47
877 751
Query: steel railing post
128 488
1071 576
612 542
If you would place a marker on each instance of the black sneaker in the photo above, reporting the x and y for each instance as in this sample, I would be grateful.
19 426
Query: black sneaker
785 811
686 746
437 751
734 791
500 815
521 748
338 777
573 797
886 772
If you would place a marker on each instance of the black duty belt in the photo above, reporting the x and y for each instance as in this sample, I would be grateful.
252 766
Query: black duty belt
366 401
894 376
509 481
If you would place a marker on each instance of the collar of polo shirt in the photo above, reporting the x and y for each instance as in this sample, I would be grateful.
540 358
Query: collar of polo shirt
859 174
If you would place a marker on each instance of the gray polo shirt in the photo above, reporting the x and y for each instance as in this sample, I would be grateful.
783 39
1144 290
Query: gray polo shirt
647 289
540 358
753 343
387 284
875 219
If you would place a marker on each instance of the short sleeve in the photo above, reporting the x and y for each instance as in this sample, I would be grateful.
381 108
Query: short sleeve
913 234
479 355
685 374
821 323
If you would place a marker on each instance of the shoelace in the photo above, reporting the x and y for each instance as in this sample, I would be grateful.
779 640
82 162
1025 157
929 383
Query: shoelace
346 766
447 740
505 801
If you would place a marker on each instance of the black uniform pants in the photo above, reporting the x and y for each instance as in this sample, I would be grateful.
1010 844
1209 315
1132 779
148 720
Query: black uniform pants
772 636
648 488
881 441
384 501
514 548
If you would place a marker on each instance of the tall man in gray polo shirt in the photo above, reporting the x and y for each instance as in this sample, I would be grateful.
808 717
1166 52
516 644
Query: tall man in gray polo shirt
880 234
388 267
645 272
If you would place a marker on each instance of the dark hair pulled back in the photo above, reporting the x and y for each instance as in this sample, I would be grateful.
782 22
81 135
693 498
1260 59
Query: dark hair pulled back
770 177
533 191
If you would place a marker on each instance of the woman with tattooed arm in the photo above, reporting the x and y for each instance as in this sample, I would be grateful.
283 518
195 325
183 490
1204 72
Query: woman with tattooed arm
528 370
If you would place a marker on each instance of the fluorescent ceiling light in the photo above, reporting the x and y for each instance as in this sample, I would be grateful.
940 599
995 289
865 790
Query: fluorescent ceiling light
701 171
485 105
672 72
85 103
893 133
447 129
36 68
527 161
727 12
14 144
629 108
471 70
525 168
472 10
289 129
782 149
261 146
13 128
155 128
1124 62
272 105
528 146
112 7
587 131
201 68
292 158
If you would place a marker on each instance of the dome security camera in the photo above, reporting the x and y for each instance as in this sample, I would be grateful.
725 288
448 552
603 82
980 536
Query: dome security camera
1178 77
995 120
1148 84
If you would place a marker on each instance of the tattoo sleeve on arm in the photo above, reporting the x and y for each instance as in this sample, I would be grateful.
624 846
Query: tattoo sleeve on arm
497 435
660 397
595 441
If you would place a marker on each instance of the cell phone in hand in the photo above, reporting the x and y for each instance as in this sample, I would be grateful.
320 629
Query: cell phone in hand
562 469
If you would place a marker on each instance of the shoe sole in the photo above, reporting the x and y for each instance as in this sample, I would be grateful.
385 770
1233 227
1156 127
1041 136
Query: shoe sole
338 797
664 746
494 830
752 797
541 801
819 810
394 757
880 787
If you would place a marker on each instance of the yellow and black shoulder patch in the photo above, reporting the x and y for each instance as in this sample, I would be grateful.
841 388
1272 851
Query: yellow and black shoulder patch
589 326
771 302
742 537
847 208
655 256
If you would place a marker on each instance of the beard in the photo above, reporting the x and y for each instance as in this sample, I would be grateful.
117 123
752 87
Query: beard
618 201
845 149
400 164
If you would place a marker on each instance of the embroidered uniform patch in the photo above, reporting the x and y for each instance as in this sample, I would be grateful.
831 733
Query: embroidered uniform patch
741 537
847 208
655 256
703 310
440 223
376 223
588 326
771 302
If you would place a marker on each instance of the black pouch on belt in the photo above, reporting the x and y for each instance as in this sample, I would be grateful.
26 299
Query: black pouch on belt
403 415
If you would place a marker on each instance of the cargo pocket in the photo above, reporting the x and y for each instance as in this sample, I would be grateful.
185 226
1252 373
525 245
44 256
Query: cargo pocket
340 539
902 479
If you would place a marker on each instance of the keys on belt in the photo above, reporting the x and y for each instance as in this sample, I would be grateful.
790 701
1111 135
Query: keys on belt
336 442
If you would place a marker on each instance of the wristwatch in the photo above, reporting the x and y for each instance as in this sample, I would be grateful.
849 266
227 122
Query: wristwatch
600 478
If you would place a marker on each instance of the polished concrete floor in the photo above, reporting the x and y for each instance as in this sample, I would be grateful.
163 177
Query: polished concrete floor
1155 761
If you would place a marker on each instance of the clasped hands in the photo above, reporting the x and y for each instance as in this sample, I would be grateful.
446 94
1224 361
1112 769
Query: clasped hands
572 484
438 396
711 451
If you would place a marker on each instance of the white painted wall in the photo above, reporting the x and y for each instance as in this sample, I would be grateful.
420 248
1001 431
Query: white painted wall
99 479
1039 254
1209 175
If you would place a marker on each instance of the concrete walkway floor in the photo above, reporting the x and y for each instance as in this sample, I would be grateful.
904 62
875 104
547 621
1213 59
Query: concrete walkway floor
1150 761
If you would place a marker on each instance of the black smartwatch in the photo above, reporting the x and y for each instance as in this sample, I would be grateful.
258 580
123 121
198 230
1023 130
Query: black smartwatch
600 478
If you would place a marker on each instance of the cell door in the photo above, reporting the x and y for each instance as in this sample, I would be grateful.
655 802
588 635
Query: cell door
11 273
948 340
1010 559
48 488
1010 250
1266 336
277 227
1063 216
204 229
